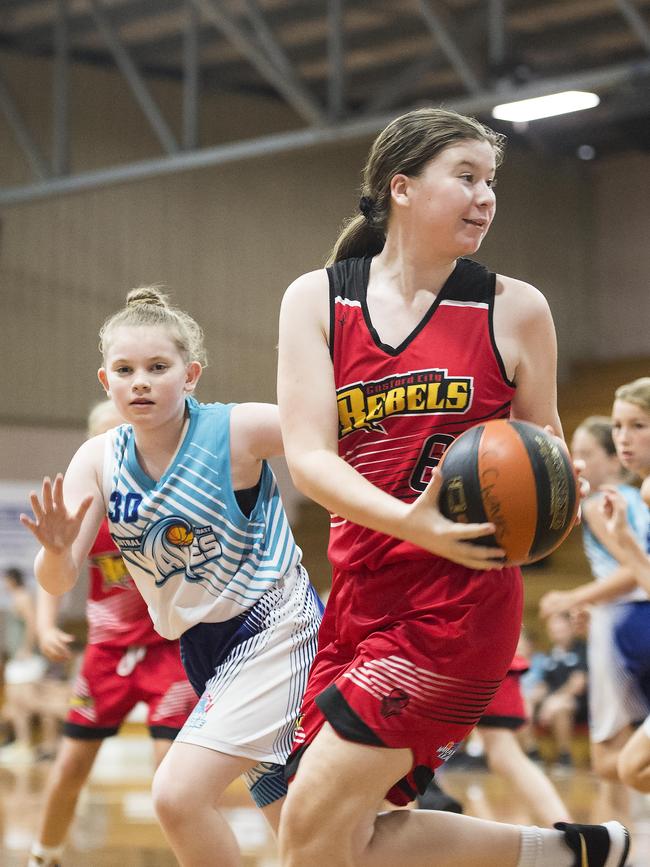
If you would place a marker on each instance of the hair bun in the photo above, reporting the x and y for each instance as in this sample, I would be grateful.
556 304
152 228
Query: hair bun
146 295
367 206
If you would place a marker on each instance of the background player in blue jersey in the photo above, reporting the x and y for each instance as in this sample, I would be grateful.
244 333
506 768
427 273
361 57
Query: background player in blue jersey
616 701
631 431
195 510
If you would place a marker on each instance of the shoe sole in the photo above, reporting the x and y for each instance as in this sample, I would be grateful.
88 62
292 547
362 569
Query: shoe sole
619 840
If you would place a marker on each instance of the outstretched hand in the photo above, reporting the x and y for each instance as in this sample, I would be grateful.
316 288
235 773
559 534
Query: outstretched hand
53 525
556 602
613 508
55 644
429 529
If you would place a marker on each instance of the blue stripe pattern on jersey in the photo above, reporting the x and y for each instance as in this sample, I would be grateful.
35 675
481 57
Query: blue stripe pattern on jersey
193 554
601 561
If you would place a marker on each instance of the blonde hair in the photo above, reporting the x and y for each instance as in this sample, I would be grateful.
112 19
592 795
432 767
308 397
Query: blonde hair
102 417
637 392
147 305
405 147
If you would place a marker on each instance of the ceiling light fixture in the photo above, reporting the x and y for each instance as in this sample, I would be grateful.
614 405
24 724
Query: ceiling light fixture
545 106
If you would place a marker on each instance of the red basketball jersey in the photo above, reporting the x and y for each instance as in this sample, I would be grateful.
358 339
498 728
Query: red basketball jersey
117 614
400 407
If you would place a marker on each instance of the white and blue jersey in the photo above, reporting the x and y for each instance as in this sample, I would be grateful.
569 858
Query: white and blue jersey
601 561
618 695
230 585
195 557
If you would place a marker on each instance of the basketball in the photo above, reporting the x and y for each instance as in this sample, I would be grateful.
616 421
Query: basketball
516 476
179 535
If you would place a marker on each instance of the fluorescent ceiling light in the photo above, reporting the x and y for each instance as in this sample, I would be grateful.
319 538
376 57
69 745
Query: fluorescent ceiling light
545 106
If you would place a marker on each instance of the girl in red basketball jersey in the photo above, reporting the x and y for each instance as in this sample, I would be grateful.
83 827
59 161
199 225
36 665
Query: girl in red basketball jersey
385 358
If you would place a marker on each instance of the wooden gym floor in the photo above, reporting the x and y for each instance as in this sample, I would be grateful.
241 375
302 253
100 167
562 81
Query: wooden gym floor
115 825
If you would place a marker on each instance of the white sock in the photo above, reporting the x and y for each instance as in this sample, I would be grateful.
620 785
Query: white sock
543 847
46 853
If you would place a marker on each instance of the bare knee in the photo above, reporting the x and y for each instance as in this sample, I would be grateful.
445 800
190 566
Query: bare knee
314 831
605 766
632 772
299 821
173 799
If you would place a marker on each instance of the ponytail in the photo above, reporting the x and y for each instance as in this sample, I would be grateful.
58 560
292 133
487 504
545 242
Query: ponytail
358 238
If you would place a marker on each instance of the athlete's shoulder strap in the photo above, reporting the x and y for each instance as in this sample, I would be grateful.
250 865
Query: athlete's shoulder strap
107 471
471 282
349 279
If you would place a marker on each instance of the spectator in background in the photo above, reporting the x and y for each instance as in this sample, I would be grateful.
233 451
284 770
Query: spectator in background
23 669
560 700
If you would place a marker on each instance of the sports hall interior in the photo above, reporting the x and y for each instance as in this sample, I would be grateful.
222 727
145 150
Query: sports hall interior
215 148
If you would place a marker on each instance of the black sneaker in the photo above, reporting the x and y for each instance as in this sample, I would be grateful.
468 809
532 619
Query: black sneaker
603 845
435 799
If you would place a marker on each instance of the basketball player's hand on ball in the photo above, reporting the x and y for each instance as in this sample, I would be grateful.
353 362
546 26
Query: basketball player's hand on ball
55 644
54 527
428 528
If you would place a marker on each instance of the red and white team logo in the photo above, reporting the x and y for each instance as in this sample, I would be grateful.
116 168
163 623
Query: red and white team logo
394 703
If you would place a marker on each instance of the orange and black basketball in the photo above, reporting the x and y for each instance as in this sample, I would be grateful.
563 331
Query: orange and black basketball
516 476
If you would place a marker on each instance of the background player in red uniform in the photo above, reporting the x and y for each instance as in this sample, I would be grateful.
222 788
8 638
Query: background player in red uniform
125 662
386 357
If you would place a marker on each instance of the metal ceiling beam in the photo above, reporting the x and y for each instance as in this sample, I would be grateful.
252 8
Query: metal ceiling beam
81 22
294 92
35 158
269 43
599 79
447 43
135 81
636 21
335 59
400 84
60 92
496 32
191 68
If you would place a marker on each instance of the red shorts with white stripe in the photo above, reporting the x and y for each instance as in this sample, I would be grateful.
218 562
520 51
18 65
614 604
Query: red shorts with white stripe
508 708
113 680
410 658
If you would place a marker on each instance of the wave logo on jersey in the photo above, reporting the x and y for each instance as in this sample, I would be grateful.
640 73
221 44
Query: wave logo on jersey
365 405
176 547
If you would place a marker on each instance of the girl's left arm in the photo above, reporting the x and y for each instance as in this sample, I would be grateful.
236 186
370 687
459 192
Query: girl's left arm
523 322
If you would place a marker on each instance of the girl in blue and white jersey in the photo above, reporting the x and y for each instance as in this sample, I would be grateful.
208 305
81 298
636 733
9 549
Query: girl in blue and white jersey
631 431
195 510
616 700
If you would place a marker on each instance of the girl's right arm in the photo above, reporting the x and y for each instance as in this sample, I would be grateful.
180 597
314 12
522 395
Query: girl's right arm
309 417
618 583
620 537
67 517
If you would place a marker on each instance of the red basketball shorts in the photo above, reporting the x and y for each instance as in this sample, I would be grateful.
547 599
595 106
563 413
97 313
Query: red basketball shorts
410 658
113 680
507 709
